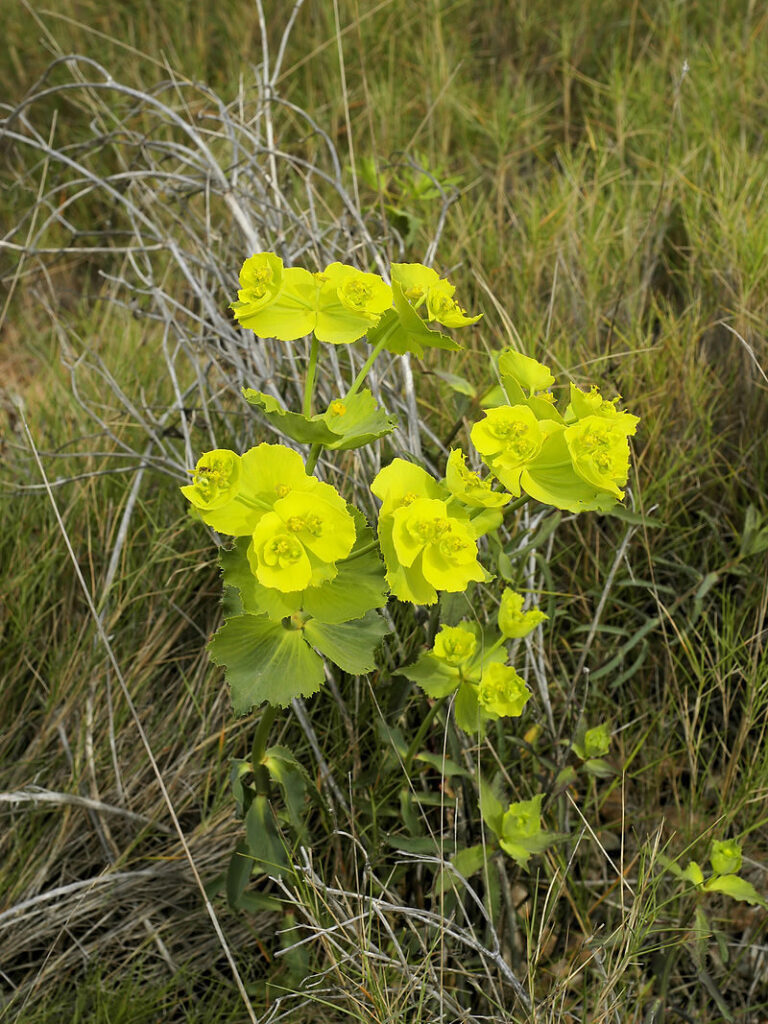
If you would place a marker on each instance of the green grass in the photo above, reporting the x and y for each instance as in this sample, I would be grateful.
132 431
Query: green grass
610 215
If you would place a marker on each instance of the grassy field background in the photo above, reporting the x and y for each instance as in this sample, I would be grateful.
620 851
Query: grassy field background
603 171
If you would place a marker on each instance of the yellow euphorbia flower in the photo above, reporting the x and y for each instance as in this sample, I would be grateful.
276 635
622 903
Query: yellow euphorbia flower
444 545
297 544
513 621
502 693
260 280
599 450
466 485
215 480
454 645
232 492
509 438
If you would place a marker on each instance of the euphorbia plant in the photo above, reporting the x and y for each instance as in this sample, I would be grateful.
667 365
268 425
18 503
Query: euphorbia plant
306 574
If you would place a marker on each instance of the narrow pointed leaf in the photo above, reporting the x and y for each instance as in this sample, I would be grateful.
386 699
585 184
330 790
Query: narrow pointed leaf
406 331
264 842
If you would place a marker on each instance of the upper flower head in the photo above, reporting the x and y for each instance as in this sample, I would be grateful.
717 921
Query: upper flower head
215 481
443 307
260 279
357 291
509 438
600 452
513 621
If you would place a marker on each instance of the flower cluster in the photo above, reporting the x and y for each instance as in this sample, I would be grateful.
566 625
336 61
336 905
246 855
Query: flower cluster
299 526
577 460
471 663
339 304
428 541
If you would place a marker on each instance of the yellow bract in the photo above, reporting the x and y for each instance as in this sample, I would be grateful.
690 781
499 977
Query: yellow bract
502 693
466 485
513 621
454 645
215 480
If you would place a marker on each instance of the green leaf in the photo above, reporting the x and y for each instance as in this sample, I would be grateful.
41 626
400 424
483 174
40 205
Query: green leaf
468 862
467 711
491 807
633 518
286 771
350 645
255 599
598 767
737 888
264 841
434 677
405 331
265 661
237 773
444 765
347 423
565 778
692 873
239 871
361 421
420 844
304 429
456 383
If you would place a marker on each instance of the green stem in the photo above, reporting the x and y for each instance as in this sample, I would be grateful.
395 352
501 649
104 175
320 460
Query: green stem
309 380
260 773
375 353
314 455
515 505
494 646
254 503
362 551
423 729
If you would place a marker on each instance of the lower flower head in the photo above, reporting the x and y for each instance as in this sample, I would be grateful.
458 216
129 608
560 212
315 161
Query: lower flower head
454 645
445 546
502 693
277 557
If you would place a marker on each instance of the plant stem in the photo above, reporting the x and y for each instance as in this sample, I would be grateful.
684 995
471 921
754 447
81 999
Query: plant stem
362 551
375 352
314 455
309 380
423 729
515 505
260 773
